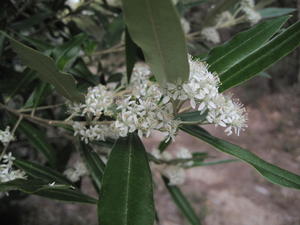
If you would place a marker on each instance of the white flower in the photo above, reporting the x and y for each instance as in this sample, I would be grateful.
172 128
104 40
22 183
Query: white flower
211 34
252 16
175 174
184 153
6 136
248 7
74 174
98 100
7 172
185 25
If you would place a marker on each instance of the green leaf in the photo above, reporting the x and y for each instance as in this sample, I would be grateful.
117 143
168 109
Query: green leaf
182 203
94 164
126 196
131 54
64 83
28 186
38 95
37 139
262 58
274 12
154 26
224 57
212 163
192 117
41 172
38 187
67 195
68 52
271 172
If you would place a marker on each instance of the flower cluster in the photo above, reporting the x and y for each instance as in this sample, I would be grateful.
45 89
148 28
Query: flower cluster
6 136
74 174
143 106
7 172
248 7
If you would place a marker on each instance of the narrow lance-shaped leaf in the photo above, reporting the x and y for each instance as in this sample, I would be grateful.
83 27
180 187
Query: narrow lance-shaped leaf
56 192
131 54
224 57
271 172
64 83
262 58
94 164
126 196
41 172
182 203
154 26
274 12
38 141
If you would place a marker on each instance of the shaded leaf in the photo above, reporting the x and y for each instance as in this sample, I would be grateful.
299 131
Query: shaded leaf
131 54
126 194
64 83
94 164
38 141
154 26
271 172
41 172
38 187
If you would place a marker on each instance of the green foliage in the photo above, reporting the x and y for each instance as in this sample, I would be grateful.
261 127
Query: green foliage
126 194
262 57
155 27
267 170
224 57
47 71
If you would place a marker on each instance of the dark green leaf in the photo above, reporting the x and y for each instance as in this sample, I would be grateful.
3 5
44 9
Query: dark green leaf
274 12
271 172
192 117
182 203
44 65
154 26
68 52
126 196
38 95
28 186
41 172
212 163
131 54
94 164
224 57
38 187
38 141
67 195
262 58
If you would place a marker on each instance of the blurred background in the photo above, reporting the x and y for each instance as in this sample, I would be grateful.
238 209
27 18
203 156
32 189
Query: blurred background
226 194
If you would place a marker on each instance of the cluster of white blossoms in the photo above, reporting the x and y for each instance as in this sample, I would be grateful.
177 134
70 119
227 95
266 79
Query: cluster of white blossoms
142 106
248 7
175 173
6 136
7 172
75 173
211 34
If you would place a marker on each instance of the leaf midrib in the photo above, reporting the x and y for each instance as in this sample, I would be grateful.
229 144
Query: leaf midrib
260 57
158 46
127 192
238 46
